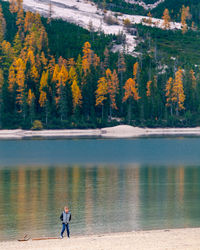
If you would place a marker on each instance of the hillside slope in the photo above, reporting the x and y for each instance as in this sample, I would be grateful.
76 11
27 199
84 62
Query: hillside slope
88 16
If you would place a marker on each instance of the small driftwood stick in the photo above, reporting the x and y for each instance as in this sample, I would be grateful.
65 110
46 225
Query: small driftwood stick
46 238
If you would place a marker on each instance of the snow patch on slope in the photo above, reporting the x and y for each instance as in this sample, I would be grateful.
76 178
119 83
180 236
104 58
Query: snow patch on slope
144 5
83 12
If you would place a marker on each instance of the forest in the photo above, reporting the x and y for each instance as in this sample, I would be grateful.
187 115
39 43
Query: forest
57 75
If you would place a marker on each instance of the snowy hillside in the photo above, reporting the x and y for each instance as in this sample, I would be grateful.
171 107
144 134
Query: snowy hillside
83 13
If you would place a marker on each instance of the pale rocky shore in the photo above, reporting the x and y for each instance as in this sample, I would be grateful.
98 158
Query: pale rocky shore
173 239
121 131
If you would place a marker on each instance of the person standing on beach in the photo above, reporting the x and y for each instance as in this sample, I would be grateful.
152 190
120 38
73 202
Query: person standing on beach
65 217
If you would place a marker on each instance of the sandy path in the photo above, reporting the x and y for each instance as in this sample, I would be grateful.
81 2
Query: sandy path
152 240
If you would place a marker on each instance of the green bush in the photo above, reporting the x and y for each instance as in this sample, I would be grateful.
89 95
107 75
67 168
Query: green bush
37 125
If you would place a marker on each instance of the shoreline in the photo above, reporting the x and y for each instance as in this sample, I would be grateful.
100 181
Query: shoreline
121 131
186 238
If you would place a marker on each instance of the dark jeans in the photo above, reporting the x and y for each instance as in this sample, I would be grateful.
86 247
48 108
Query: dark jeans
65 226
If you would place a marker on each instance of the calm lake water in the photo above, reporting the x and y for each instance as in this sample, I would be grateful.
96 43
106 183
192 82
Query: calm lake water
109 185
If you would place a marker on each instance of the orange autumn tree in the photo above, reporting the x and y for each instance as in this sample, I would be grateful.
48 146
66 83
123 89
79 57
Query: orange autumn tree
112 83
166 19
175 92
135 70
113 89
178 96
87 57
148 92
72 75
131 90
76 95
185 14
43 86
101 92
15 5
55 73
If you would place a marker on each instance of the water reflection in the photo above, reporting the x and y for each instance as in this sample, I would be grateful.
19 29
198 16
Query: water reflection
101 198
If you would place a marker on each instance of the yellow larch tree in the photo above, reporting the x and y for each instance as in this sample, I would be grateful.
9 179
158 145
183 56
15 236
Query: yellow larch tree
44 80
44 60
112 83
43 98
15 5
178 96
11 78
76 95
95 61
34 74
43 39
185 14
72 75
87 57
30 97
102 91
148 92
20 22
166 19
131 90
30 56
56 73
113 89
43 101
7 50
131 93
51 65
29 20
135 70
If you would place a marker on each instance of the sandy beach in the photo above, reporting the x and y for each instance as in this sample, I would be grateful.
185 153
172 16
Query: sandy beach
152 240
121 131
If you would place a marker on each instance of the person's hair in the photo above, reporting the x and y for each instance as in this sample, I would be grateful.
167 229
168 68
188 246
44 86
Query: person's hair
66 207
